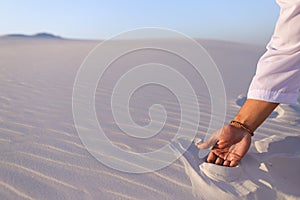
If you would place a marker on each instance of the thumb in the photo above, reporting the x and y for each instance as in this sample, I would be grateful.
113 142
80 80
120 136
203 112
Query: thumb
210 142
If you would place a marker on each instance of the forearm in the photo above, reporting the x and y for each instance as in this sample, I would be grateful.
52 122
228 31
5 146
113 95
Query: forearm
254 112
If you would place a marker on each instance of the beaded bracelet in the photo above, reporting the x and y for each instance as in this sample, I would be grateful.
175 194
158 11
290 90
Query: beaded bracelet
242 126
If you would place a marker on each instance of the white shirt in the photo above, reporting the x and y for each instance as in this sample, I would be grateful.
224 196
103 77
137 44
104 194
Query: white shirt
277 77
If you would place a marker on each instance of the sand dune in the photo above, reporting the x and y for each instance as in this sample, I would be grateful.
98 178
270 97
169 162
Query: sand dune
42 156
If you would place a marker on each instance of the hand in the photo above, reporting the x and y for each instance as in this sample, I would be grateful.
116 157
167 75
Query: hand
230 146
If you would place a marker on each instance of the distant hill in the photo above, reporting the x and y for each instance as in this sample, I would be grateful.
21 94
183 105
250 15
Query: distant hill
38 35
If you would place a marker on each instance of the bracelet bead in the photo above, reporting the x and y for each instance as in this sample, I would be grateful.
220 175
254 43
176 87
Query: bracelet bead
238 124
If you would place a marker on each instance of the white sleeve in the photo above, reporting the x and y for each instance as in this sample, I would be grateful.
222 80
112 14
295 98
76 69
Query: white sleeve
277 77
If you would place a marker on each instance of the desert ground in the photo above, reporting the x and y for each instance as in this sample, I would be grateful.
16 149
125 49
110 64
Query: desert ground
42 156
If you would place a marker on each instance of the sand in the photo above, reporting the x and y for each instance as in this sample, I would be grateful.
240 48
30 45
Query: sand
42 156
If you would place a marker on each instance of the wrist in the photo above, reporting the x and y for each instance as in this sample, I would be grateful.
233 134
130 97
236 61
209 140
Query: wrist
253 113
242 126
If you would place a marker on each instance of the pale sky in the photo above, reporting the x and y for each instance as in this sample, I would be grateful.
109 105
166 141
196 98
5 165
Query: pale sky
250 21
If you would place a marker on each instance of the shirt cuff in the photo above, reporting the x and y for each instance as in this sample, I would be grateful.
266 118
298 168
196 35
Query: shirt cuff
273 96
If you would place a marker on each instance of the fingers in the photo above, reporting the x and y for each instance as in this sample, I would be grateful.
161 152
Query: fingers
228 149
234 159
224 159
226 163
211 158
214 158
233 163
221 153
219 161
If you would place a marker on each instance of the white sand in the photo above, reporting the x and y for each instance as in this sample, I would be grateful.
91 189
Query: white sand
42 156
